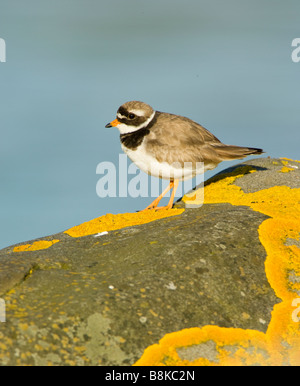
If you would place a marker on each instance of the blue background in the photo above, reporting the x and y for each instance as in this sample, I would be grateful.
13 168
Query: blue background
70 64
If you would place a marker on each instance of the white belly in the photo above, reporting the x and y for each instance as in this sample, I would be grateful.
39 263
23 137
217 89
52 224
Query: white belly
150 165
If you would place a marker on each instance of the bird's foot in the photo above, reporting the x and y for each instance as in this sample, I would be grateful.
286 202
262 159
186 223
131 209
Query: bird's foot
153 204
152 207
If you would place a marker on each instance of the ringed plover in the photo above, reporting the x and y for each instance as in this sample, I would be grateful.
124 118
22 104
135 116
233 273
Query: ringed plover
162 144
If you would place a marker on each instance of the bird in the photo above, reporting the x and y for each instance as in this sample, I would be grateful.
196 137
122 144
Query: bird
162 144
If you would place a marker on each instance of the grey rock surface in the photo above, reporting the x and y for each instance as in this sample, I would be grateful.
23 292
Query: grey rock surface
104 300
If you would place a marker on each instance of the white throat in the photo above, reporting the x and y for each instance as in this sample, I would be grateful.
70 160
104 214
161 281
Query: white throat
126 129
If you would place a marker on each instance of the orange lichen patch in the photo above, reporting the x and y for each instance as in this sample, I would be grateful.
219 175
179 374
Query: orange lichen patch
281 259
288 159
36 246
231 346
280 345
111 222
285 169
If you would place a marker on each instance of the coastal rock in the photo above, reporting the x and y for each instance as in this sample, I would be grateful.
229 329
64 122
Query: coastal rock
209 284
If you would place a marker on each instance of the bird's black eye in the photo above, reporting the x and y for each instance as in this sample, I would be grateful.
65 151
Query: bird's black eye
131 116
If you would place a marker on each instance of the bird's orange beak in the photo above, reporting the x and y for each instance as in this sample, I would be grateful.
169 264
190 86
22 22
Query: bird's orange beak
113 123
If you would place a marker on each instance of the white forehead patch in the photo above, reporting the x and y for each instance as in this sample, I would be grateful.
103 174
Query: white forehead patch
120 116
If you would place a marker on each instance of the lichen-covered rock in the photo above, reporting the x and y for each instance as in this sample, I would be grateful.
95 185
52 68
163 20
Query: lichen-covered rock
209 285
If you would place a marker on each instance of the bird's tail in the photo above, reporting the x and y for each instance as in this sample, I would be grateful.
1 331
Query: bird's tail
229 152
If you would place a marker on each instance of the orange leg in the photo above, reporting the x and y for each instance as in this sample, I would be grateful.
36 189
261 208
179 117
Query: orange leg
173 184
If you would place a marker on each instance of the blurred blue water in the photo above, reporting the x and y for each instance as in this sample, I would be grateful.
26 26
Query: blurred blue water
70 64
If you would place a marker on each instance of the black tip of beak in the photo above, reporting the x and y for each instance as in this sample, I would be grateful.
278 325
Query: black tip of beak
108 125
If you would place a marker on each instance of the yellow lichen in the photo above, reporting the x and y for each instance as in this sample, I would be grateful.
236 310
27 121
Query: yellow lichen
288 159
111 222
285 169
281 343
35 246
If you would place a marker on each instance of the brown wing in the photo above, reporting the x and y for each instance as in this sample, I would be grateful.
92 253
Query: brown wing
181 130
178 139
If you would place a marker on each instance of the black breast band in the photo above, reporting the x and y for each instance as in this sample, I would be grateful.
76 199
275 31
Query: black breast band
134 139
